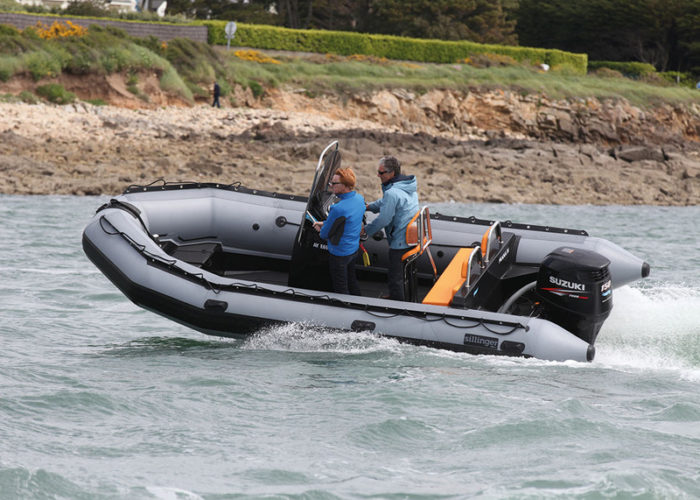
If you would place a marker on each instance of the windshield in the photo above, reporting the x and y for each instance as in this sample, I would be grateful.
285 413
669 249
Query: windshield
320 198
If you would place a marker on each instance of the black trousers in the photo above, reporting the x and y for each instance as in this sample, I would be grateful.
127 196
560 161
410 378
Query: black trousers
343 276
396 284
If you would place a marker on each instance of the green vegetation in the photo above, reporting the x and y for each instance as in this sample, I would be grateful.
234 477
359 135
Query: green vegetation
483 21
28 97
391 47
96 102
663 33
54 92
628 69
100 51
91 8
319 74
188 69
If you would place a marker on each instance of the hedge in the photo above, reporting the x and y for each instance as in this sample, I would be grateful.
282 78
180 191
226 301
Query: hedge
629 69
391 47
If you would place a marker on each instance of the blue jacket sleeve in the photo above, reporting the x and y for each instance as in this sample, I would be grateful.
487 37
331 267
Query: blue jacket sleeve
328 224
387 209
374 206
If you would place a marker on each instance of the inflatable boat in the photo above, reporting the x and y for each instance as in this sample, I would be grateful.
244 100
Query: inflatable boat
227 261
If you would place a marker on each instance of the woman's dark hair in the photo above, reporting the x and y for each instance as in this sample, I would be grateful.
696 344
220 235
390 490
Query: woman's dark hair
391 164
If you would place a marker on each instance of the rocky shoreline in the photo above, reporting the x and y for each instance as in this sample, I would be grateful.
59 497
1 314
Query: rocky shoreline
482 147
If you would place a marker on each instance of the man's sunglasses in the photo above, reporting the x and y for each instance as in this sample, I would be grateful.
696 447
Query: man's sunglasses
382 172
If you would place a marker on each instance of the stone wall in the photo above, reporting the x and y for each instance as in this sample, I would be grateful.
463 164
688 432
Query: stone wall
163 32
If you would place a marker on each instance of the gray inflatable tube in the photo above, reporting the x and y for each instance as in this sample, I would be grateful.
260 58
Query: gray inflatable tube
218 258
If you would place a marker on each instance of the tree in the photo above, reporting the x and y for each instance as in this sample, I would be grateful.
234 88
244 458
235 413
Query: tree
340 15
476 20
660 32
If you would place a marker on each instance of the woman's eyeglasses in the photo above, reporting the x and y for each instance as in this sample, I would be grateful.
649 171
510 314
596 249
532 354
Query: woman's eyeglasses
334 183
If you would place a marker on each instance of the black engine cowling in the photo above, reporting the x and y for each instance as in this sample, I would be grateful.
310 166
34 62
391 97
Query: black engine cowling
575 289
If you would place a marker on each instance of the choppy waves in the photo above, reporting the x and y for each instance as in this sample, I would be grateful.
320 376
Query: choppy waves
102 400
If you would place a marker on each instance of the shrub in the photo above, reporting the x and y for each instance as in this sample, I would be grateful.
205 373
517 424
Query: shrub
54 92
255 56
679 78
41 65
152 43
59 30
604 72
170 81
83 60
14 43
196 62
8 67
153 17
656 79
256 88
489 60
628 69
28 97
30 33
8 30
89 8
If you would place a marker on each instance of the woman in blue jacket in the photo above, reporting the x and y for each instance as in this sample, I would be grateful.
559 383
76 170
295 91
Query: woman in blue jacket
342 231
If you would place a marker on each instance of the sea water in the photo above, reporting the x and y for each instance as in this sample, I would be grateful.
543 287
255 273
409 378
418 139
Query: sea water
100 399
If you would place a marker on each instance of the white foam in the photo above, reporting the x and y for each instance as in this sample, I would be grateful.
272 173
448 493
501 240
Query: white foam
654 328
655 312
167 493
300 337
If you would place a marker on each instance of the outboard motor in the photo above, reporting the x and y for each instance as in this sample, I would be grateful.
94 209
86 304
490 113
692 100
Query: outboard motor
575 289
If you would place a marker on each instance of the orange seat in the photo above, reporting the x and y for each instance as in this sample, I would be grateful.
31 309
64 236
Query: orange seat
451 279
415 226
494 231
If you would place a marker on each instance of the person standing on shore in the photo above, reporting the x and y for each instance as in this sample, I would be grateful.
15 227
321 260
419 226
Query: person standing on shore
396 209
217 94
342 231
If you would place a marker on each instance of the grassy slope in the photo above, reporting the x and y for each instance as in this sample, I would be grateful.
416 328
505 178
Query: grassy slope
187 68
320 74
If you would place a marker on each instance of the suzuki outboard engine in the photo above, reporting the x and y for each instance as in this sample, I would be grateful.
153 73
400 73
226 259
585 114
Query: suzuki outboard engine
575 289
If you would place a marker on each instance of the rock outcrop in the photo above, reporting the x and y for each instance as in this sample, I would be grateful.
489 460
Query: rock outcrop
493 146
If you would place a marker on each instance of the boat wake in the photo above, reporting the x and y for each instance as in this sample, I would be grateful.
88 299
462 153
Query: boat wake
300 337
654 328
649 329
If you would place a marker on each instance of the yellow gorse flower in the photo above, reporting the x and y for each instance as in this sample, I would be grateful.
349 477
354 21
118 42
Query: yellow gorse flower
255 56
59 30
368 59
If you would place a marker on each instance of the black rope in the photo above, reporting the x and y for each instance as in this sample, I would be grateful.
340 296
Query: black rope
142 186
